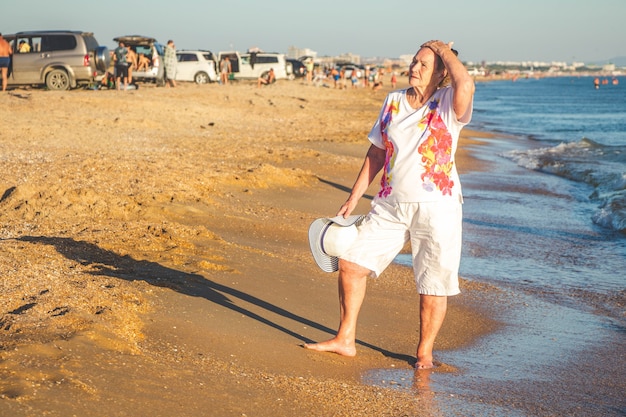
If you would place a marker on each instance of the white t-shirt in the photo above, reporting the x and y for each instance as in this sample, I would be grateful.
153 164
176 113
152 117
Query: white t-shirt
420 145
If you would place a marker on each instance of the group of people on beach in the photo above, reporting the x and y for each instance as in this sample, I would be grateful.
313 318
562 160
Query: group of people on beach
125 60
344 78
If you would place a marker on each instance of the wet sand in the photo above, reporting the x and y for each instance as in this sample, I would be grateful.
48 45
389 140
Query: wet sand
155 261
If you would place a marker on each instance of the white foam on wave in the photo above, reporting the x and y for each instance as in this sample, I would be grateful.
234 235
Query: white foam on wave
612 212
587 162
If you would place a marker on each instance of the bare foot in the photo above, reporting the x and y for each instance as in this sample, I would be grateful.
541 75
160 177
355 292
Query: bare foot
424 361
334 346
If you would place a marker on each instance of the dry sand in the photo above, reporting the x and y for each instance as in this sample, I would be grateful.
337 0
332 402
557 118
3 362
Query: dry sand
155 262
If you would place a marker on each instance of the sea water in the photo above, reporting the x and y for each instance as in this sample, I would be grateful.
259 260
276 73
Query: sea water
544 222
581 131
550 213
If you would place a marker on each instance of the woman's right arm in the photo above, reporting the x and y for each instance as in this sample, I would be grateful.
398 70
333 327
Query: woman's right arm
373 163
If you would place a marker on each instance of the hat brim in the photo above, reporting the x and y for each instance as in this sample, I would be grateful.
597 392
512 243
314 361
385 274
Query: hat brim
327 263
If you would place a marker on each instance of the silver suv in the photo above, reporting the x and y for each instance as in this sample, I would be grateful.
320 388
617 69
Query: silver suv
58 59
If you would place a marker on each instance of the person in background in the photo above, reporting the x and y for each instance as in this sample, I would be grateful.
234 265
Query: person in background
225 70
120 56
108 79
132 63
319 76
354 78
24 47
342 78
310 66
5 61
413 142
170 62
377 82
142 62
334 73
266 78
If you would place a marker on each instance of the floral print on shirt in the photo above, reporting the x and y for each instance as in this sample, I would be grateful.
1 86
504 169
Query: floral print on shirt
436 153
390 155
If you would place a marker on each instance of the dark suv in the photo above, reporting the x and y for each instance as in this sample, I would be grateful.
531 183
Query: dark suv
60 59
298 68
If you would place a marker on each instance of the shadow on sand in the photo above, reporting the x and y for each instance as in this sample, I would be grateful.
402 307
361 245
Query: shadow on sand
107 263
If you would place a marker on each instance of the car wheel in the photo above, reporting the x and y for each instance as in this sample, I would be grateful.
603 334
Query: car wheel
102 58
201 78
58 79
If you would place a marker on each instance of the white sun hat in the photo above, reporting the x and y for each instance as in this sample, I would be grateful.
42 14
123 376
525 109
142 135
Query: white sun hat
329 238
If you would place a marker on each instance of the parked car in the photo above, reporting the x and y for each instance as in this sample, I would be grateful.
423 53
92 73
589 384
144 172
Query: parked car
197 66
252 65
298 68
152 50
58 59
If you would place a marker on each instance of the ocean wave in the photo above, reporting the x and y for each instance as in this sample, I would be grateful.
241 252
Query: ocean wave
586 161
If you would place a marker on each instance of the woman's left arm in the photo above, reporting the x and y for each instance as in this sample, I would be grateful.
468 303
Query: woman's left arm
462 81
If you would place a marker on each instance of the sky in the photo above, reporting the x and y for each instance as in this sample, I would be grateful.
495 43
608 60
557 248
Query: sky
482 30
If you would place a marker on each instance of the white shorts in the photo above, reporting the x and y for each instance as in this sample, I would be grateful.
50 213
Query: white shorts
434 230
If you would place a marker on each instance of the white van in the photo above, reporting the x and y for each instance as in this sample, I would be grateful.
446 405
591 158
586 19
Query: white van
251 65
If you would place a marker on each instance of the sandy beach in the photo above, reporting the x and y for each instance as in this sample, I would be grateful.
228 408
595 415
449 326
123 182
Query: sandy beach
155 261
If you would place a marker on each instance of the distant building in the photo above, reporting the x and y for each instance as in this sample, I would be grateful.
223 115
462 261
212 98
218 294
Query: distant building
476 71
608 67
295 53
349 57
331 61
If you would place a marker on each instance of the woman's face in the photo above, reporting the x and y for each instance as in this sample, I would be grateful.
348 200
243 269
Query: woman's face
422 70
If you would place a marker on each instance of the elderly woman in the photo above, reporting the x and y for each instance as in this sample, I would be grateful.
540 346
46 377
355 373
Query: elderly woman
413 141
